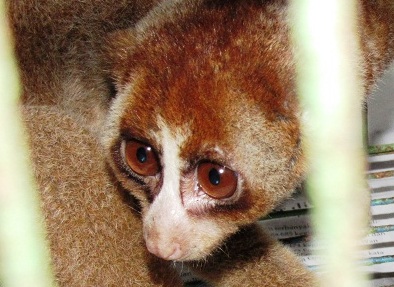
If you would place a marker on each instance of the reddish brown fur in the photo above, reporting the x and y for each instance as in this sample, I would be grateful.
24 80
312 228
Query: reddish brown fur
221 70
233 71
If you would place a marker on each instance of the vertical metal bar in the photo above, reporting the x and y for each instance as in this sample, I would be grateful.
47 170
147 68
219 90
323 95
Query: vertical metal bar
24 257
330 87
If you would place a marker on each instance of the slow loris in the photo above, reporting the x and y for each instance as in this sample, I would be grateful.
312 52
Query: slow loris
204 125
206 119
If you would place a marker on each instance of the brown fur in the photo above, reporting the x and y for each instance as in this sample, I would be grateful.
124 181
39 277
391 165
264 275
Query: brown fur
217 75
220 94
95 237
222 74
58 46
377 37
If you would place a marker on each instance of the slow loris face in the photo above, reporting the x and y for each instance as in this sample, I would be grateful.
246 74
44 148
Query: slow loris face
204 130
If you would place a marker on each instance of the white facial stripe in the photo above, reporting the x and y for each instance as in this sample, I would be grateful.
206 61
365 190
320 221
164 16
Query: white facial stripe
171 162
171 140
166 217
169 231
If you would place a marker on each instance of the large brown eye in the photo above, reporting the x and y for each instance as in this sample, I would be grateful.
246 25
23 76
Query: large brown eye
141 158
217 181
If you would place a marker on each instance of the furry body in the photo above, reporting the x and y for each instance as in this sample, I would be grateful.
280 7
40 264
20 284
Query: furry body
216 80
94 234
195 82
59 49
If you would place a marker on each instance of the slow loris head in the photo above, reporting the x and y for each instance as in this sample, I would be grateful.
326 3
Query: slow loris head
204 129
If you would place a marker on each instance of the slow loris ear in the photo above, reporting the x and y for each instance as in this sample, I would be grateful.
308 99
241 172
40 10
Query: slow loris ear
117 55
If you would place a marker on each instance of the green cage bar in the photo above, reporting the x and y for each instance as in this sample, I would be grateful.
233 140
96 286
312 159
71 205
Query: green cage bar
330 87
24 257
